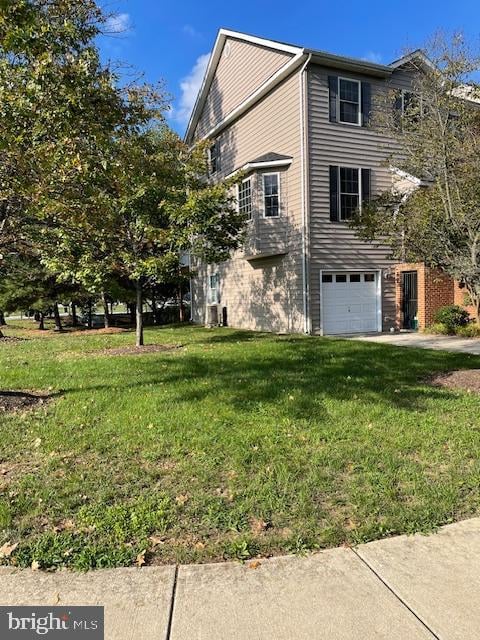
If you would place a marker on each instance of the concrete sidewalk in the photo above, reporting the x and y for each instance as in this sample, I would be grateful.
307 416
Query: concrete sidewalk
405 588
424 341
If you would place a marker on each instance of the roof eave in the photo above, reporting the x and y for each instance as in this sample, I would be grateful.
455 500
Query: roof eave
349 64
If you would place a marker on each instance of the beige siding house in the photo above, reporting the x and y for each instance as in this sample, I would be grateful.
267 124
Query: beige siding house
296 121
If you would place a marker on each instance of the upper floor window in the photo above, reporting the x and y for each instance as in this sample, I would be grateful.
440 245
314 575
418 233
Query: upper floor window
349 101
349 188
245 197
271 195
349 192
214 158
409 107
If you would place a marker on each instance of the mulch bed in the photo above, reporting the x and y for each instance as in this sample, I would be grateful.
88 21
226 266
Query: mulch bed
466 379
18 400
132 350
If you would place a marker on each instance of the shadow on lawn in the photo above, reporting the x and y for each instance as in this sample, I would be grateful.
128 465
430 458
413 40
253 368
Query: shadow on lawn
293 376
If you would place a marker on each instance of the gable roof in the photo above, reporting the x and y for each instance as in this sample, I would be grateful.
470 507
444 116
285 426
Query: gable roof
271 157
298 54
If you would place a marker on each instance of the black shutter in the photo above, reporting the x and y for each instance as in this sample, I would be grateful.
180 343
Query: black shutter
366 103
366 185
332 90
334 213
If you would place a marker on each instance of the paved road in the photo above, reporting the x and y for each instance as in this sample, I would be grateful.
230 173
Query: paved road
403 588
424 341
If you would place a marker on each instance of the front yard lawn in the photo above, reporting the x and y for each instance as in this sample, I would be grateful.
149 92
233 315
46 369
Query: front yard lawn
236 444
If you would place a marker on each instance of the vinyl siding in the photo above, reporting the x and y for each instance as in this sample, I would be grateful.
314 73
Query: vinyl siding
242 68
333 245
266 293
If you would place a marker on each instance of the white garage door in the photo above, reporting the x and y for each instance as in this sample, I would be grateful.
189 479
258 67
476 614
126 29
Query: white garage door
350 302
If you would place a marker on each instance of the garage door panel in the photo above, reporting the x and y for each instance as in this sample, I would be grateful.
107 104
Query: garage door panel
350 306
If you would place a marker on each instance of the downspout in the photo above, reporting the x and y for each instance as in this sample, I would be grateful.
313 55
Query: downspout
305 194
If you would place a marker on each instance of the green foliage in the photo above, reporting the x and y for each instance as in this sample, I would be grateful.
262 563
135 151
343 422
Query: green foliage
470 330
103 537
439 329
438 143
5 514
451 317
129 522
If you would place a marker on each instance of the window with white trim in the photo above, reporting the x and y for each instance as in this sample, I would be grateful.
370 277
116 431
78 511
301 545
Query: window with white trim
245 198
349 92
271 195
213 289
349 192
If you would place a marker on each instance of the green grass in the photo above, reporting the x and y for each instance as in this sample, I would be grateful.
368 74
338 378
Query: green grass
237 444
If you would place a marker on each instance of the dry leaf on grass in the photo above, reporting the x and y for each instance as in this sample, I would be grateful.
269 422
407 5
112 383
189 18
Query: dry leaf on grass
35 566
254 564
257 525
156 540
181 499
140 559
7 549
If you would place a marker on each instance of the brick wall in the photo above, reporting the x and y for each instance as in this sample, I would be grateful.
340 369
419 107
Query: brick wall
459 295
438 293
435 290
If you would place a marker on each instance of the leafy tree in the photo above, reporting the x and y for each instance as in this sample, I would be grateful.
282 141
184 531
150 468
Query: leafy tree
438 136
59 110
26 285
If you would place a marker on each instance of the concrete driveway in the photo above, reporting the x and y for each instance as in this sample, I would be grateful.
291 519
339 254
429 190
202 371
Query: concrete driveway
403 588
424 341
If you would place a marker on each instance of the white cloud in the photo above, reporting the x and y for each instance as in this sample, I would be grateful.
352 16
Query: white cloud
118 23
371 56
190 86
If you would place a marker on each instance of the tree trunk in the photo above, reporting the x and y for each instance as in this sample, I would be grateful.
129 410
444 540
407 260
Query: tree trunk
106 311
139 314
74 315
58 320
41 322
181 306
2 319
89 315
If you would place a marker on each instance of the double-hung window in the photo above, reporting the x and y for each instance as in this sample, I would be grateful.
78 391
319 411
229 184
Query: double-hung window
349 192
271 195
245 198
349 189
213 289
349 101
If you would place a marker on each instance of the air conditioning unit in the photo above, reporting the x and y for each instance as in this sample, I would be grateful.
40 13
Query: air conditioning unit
212 315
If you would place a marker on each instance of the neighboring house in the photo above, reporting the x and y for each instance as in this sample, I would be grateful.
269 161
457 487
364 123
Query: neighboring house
295 121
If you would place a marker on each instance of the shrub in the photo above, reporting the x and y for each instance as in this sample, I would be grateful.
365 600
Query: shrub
470 330
438 328
452 316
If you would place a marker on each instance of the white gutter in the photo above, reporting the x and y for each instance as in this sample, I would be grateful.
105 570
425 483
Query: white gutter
305 194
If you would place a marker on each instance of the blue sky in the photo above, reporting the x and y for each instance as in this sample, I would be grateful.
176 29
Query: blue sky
170 40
